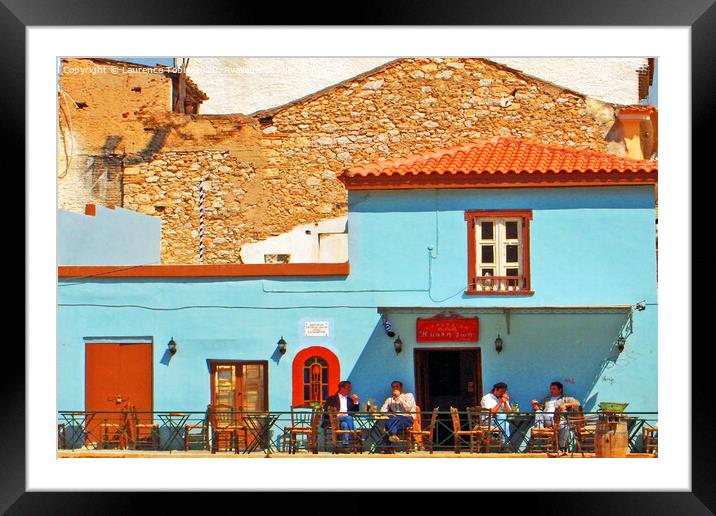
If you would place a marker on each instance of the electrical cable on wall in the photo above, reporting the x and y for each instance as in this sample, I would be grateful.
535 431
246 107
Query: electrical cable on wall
226 307
68 114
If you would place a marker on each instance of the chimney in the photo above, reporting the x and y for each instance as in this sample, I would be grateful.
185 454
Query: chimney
640 129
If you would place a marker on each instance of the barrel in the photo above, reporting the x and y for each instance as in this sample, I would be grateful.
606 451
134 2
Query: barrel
611 439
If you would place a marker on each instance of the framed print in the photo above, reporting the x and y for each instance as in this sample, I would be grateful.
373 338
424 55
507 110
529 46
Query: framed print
220 272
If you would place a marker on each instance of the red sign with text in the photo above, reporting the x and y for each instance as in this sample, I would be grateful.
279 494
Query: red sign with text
448 329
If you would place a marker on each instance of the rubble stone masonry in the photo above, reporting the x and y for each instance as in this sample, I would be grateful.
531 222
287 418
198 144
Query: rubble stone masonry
276 169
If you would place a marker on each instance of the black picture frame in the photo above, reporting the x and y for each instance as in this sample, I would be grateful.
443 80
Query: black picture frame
700 15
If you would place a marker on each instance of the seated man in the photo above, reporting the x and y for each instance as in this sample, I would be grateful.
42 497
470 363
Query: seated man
401 409
545 411
344 403
498 401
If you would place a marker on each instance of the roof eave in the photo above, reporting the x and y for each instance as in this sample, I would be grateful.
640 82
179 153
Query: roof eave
477 180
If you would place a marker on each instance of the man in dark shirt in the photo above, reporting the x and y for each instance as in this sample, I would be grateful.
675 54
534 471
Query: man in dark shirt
344 403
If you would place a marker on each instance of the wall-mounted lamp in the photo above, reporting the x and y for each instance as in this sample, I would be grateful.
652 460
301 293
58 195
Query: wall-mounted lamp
498 344
398 344
172 346
281 345
621 342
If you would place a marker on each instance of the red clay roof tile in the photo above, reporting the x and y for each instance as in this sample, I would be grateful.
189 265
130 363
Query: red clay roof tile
502 155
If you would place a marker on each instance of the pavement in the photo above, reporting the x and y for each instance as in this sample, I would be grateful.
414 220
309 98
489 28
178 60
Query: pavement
204 454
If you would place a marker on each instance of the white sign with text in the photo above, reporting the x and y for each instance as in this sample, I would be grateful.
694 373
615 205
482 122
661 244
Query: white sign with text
315 328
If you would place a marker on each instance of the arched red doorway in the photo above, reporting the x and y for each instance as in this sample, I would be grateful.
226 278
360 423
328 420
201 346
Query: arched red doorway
316 373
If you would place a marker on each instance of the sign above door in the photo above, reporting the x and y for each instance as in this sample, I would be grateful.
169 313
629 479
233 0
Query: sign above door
447 327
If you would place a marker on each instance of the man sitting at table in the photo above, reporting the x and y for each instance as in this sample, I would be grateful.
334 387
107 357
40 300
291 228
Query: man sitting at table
344 403
400 408
545 411
497 400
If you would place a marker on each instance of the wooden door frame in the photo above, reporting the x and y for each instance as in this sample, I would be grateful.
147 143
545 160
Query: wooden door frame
213 362
117 343
420 388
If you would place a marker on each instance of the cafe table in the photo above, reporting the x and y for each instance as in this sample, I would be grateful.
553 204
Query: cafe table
634 429
78 419
374 424
174 422
518 424
259 426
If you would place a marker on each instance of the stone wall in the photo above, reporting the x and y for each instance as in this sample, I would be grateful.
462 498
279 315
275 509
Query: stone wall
266 82
114 114
276 170
100 107
411 106
168 187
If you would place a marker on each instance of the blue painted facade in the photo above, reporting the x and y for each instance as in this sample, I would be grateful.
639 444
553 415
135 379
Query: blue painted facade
590 247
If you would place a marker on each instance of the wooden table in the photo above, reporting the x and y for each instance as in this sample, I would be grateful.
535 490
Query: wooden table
374 423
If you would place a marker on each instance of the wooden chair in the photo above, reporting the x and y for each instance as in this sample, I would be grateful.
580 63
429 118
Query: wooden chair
113 433
355 437
584 429
114 430
141 436
412 435
197 433
474 435
417 436
651 439
543 437
225 428
483 420
302 419
312 438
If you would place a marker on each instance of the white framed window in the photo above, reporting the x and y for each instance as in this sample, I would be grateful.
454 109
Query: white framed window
498 257
499 250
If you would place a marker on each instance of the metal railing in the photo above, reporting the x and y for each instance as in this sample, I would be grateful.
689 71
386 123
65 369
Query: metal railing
499 283
266 432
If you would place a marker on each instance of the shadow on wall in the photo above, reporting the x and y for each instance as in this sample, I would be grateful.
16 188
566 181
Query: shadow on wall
276 356
154 145
110 156
573 349
103 172
166 357
378 365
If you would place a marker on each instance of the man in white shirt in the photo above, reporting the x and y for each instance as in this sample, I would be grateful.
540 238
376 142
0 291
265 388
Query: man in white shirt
545 413
401 409
497 401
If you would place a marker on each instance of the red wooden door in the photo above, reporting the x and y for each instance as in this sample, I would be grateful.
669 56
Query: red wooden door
117 374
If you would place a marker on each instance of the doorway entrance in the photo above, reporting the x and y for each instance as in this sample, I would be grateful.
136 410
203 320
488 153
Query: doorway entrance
444 378
117 375
448 377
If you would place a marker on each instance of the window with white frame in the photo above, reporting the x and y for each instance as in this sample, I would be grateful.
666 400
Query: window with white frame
499 258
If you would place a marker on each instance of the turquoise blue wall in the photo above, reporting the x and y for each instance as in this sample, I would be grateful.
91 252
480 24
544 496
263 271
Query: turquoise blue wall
589 247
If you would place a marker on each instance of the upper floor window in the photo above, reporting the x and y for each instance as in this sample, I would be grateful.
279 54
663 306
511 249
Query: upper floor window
498 251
